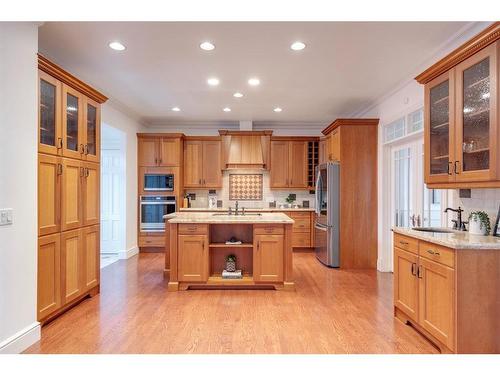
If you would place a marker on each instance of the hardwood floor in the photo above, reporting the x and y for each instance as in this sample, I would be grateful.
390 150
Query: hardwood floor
332 311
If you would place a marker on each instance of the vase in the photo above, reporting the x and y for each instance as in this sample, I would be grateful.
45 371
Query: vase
230 266
476 227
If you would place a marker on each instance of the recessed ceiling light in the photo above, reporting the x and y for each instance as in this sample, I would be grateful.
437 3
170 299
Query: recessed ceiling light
298 46
176 109
117 46
227 109
213 81
277 109
207 46
254 82
238 95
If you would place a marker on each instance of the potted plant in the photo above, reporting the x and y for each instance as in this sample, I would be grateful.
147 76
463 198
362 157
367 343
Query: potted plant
231 263
290 199
479 223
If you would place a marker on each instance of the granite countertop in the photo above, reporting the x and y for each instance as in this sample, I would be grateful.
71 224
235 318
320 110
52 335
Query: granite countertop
210 218
454 240
246 209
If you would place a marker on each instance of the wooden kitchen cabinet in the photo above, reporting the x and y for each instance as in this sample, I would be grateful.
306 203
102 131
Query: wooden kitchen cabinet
268 257
334 154
461 134
50 139
323 157
49 194
289 164
406 282
90 193
72 123
71 194
91 256
48 275
157 150
193 257
72 265
202 163
92 130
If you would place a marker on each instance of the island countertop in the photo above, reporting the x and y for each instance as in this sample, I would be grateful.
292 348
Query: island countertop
217 218
454 240
276 209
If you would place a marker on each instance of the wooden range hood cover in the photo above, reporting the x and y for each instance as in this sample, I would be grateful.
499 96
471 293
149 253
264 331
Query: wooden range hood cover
246 149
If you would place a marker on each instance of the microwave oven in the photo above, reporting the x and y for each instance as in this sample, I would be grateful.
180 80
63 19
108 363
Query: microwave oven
158 181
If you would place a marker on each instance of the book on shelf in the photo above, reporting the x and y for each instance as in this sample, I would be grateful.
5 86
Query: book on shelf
233 243
232 275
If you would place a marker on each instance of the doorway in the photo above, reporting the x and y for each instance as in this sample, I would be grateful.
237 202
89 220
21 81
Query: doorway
113 192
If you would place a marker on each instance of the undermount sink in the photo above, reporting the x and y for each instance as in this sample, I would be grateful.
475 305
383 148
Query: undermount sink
434 230
239 215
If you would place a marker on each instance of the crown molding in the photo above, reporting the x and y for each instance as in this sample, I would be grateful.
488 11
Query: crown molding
466 32
350 122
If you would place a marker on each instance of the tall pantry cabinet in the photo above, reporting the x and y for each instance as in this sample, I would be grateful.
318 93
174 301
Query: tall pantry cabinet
68 189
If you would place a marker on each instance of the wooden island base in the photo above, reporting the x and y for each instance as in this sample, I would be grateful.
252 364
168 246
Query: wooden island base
196 252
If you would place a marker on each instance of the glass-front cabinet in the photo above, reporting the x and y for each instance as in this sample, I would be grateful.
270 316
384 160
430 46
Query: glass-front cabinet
49 114
92 121
476 117
439 117
461 123
73 142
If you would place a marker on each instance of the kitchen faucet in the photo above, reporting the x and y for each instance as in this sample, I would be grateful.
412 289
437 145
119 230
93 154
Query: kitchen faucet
458 224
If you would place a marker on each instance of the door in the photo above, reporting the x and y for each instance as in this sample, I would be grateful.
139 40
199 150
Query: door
436 300
193 168
91 256
92 130
279 164
90 193
193 258
212 173
335 145
406 283
71 202
49 194
49 114
268 258
48 275
439 128
147 152
476 117
73 138
298 165
72 265
169 152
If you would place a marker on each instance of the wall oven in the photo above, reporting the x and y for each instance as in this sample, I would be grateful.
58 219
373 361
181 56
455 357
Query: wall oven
155 181
153 208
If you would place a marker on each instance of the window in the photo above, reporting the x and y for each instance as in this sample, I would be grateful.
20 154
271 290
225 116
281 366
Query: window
415 121
412 123
394 130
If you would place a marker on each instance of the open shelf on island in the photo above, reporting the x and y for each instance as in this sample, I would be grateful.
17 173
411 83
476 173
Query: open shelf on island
222 245
247 279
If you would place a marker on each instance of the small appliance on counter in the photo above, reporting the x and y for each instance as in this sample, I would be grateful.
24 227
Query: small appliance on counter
212 199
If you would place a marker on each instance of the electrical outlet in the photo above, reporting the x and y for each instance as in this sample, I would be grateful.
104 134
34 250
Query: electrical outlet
6 216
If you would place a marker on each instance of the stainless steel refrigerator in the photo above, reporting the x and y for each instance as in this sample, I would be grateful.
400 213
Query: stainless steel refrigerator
327 216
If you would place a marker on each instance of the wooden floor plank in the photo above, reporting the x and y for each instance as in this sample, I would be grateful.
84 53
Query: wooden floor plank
331 311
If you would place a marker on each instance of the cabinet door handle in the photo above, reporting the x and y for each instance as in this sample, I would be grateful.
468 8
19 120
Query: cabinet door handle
82 148
204 182
59 169
199 181
449 168
59 143
414 269
419 272
403 243
432 252
82 172
156 160
161 160
258 245
456 167
86 147
203 245
87 173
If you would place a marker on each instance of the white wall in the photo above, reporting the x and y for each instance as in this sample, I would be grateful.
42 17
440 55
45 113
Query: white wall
130 126
18 185
405 98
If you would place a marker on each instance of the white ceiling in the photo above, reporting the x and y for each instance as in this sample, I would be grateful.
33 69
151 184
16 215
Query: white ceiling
345 66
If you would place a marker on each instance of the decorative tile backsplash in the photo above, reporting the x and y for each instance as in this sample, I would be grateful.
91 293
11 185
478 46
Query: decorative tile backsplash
245 187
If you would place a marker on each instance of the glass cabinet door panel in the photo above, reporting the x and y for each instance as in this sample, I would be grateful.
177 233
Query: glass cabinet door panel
91 129
439 128
72 109
47 113
476 117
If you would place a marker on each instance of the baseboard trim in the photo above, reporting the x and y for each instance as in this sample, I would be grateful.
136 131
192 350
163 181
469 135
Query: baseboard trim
21 340
128 253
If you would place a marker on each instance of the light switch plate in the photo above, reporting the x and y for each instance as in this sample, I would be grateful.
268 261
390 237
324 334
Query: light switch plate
6 216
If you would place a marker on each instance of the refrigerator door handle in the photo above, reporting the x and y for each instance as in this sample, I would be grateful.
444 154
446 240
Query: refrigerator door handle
318 192
324 229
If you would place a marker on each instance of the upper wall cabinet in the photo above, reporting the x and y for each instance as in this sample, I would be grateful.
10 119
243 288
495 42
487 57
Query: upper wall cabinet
49 114
202 162
156 150
462 135
289 163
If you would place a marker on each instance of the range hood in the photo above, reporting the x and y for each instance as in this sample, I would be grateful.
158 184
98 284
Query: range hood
246 149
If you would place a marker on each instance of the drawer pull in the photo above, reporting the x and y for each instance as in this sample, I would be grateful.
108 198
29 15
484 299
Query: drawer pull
432 252
419 272
414 269
404 243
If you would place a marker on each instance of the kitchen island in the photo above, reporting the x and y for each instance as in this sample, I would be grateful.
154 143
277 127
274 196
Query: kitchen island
196 250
